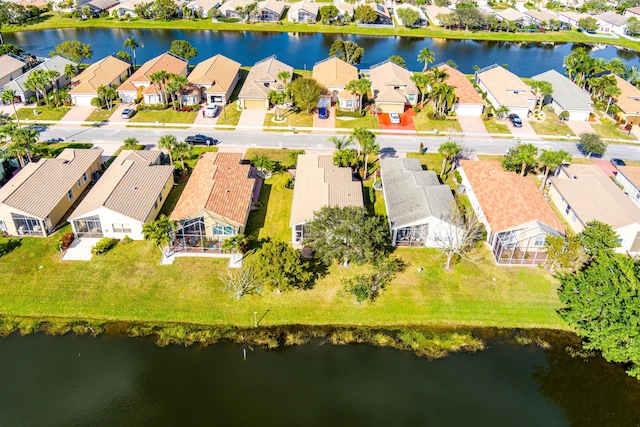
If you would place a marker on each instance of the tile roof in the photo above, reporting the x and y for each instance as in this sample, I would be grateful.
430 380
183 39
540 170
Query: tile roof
165 62
9 64
272 5
592 195
433 10
507 199
56 63
509 14
231 5
130 186
40 185
334 72
219 184
632 173
629 98
101 73
465 91
540 15
565 92
612 18
306 5
413 194
387 75
217 71
574 16
261 78
102 4
503 84
319 183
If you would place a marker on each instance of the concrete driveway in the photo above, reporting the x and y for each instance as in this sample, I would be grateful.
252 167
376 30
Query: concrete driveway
472 125
202 120
116 117
525 130
252 118
580 127
76 114
328 123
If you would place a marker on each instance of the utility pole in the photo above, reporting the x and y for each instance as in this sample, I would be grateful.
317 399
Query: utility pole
255 319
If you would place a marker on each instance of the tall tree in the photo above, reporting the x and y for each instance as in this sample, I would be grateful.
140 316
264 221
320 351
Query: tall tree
551 160
306 93
183 49
26 137
160 79
592 143
348 51
133 44
175 85
420 81
70 70
368 146
340 142
565 253
611 92
108 95
362 136
458 235
520 157
168 142
277 99
157 232
130 143
284 77
598 238
9 95
281 267
541 89
427 57
182 150
448 150
360 87
444 97
73 50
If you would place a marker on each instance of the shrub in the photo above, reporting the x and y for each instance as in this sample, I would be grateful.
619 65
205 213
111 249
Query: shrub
65 241
228 20
96 102
417 108
125 240
343 113
458 176
152 107
104 245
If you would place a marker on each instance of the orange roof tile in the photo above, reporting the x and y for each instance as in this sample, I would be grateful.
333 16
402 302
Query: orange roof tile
465 91
165 62
507 199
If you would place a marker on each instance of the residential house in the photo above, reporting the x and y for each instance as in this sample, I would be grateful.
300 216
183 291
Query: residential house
436 14
37 198
611 22
139 84
108 72
514 213
56 63
335 74
572 18
345 10
419 207
539 17
628 177
422 21
505 88
127 8
628 102
318 184
229 9
584 193
567 96
510 15
11 66
262 79
99 6
392 87
202 7
303 11
468 101
270 10
215 203
382 13
632 11
214 80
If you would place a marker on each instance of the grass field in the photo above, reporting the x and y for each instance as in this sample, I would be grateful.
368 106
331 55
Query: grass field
367 122
44 113
494 126
291 118
610 131
551 126
101 114
422 122
164 116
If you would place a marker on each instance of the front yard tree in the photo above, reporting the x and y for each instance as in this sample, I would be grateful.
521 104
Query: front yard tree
340 142
610 92
551 160
160 79
448 150
281 267
601 304
306 93
108 95
263 164
345 158
182 150
348 51
347 235
541 89
362 136
26 137
591 143
183 49
277 99
598 238
73 50
369 146
9 96
458 235
360 87
157 232
168 142
588 24
240 283
520 157
130 143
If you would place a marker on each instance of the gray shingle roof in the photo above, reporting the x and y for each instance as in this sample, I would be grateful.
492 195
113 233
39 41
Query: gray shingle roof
411 193
56 63
566 93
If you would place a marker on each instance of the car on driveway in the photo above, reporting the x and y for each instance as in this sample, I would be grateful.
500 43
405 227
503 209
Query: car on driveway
211 111
200 140
515 120
618 162
394 118
127 113
323 113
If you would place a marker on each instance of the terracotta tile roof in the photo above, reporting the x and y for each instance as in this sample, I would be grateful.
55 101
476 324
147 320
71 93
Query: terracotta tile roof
217 71
632 173
101 73
220 185
334 72
507 199
167 62
629 98
465 91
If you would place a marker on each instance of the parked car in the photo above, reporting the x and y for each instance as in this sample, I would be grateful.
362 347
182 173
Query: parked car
618 162
201 140
515 120
211 111
394 118
127 113
323 113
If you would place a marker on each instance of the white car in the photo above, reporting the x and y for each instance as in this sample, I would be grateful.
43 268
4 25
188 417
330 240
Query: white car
394 118
211 111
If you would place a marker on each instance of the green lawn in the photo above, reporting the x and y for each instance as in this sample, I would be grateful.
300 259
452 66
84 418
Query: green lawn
164 116
101 114
551 126
271 220
494 126
607 131
44 113
229 116
367 122
423 123
292 118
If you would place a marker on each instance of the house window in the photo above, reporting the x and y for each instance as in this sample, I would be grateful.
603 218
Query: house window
155 205
619 242
567 209
160 197
222 230
411 97
85 177
573 217
3 226
540 239
637 195
70 195
121 228
79 183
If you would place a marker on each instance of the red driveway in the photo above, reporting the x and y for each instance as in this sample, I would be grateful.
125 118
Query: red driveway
406 121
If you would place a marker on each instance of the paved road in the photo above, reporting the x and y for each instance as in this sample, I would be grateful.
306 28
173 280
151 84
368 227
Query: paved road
109 135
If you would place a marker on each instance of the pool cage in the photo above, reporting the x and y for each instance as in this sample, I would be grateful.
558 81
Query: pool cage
523 246
196 235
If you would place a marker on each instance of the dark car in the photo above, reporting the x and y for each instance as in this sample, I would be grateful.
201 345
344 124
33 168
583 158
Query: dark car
515 120
200 140
618 162
323 113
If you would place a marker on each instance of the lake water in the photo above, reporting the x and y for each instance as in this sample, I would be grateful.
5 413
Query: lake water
302 50
113 380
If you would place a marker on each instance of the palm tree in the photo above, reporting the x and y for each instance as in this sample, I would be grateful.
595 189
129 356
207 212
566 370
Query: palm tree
14 149
182 150
340 143
420 81
369 146
158 233
541 89
572 62
278 99
26 137
448 150
360 87
70 70
444 98
130 143
175 85
168 142
361 136
551 160
53 76
159 78
133 44
9 95
108 95
426 56
283 76
610 92
526 155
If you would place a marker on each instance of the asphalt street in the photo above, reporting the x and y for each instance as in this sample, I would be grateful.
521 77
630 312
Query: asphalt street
114 136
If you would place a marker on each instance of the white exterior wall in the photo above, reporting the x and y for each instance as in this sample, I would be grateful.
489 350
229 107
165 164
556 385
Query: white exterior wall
578 115
473 110
128 96
561 205
628 188
628 235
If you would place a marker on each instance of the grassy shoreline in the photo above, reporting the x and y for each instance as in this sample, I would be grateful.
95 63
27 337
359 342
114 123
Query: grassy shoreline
52 21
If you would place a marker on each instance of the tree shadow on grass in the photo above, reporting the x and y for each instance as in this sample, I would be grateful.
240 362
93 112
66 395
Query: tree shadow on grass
8 244
258 216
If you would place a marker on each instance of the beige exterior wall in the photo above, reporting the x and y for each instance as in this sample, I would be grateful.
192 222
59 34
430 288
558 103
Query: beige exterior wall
557 199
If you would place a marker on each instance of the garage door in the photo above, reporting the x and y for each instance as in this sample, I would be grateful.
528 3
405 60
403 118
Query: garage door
83 101
468 110
254 104
391 108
